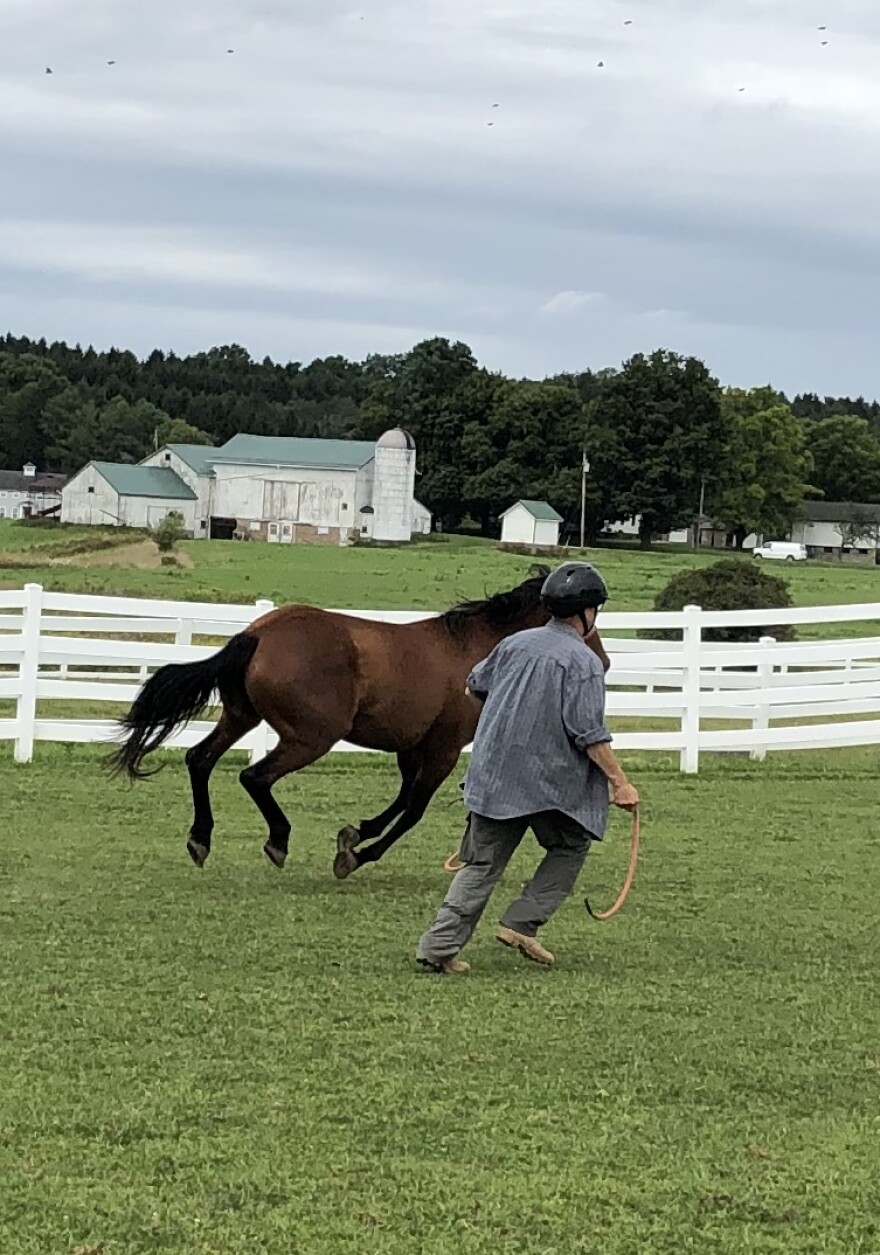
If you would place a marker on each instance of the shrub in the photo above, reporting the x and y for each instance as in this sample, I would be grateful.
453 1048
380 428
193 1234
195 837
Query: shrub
169 532
168 559
733 584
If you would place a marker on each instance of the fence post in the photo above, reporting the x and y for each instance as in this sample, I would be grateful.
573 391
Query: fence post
26 706
184 633
261 732
761 718
691 640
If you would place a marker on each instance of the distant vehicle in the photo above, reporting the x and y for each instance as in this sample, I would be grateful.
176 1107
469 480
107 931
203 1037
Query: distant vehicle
781 551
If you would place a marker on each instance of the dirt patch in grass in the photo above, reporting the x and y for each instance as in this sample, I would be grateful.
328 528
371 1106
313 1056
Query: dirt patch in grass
143 556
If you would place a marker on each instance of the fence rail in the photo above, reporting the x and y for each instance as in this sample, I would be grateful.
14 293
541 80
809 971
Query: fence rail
62 647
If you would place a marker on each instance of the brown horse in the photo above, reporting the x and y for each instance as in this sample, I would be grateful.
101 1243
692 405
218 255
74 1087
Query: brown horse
318 677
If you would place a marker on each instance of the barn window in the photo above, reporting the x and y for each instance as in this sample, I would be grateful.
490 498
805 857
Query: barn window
91 490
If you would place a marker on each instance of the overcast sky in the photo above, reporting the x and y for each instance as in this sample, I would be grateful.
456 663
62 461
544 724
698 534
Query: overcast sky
333 185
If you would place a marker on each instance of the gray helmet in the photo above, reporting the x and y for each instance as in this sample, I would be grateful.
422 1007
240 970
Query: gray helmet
573 588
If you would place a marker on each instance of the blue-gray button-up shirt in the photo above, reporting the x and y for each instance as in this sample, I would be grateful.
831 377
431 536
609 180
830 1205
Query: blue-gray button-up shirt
544 704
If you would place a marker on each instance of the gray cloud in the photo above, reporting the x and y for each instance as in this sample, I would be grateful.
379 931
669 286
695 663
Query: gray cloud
334 185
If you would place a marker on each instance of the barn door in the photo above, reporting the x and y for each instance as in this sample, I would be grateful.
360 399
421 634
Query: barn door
280 500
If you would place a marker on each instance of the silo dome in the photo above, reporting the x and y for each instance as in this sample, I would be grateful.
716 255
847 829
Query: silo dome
396 438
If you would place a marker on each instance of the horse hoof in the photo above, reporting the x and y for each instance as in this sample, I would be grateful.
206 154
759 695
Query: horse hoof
347 839
275 856
197 852
344 864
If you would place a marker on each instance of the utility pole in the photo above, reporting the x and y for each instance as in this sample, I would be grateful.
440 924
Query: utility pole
585 470
699 536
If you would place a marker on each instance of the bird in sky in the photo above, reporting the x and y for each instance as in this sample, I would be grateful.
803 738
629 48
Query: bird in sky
600 65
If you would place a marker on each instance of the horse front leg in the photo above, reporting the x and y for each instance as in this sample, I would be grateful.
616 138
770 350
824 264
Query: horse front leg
409 762
428 781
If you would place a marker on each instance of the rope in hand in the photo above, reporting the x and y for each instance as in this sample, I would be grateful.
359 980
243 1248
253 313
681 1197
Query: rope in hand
454 864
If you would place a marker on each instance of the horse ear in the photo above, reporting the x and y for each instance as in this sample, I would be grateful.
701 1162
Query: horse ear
539 571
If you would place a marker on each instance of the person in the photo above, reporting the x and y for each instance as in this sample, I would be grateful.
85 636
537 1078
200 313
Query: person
541 760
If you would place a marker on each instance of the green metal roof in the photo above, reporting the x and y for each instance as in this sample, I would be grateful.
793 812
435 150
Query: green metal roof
541 510
198 457
144 481
347 455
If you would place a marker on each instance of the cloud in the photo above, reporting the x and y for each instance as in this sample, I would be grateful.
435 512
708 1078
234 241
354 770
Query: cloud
568 302
338 177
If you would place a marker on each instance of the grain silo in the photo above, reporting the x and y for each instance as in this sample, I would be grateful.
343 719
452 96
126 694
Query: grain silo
394 486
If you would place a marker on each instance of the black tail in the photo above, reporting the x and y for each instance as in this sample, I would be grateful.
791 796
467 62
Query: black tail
175 694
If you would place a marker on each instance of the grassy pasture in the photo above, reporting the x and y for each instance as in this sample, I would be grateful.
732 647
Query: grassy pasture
427 575
241 1061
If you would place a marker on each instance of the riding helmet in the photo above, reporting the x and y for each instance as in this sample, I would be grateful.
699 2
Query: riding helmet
573 588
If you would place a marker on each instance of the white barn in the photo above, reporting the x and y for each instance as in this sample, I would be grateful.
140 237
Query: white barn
286 489
830 529
193 464
530 523
120 495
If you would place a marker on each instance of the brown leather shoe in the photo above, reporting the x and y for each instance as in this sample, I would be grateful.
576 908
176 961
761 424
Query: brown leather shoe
447 967
529 947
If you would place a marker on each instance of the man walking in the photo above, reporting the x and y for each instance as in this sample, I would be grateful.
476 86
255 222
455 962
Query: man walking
541 759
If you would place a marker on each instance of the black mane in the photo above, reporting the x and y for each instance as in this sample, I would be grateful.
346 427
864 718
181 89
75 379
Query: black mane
501 609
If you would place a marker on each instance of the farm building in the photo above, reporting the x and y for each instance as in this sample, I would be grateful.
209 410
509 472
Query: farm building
530 523
421 519
28 492
192 464
117 494
288 489
848 530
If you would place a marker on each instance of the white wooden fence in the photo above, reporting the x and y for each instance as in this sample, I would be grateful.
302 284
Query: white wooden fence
820 694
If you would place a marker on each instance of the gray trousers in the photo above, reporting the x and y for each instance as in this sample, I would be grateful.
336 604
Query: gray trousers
487 848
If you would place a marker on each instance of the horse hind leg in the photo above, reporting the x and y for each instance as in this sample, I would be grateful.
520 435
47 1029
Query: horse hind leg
201 760
259 780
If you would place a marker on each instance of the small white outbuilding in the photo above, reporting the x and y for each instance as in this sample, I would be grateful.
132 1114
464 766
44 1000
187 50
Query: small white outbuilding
530 523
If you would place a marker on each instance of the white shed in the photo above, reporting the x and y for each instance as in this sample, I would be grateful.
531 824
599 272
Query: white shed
530 523
117 494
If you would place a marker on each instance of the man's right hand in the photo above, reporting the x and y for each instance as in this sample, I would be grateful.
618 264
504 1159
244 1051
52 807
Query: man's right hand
625 796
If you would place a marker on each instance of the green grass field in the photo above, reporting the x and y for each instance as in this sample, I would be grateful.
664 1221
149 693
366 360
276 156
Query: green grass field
428 575
240 1061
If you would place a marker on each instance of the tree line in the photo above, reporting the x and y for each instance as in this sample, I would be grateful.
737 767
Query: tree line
660 432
